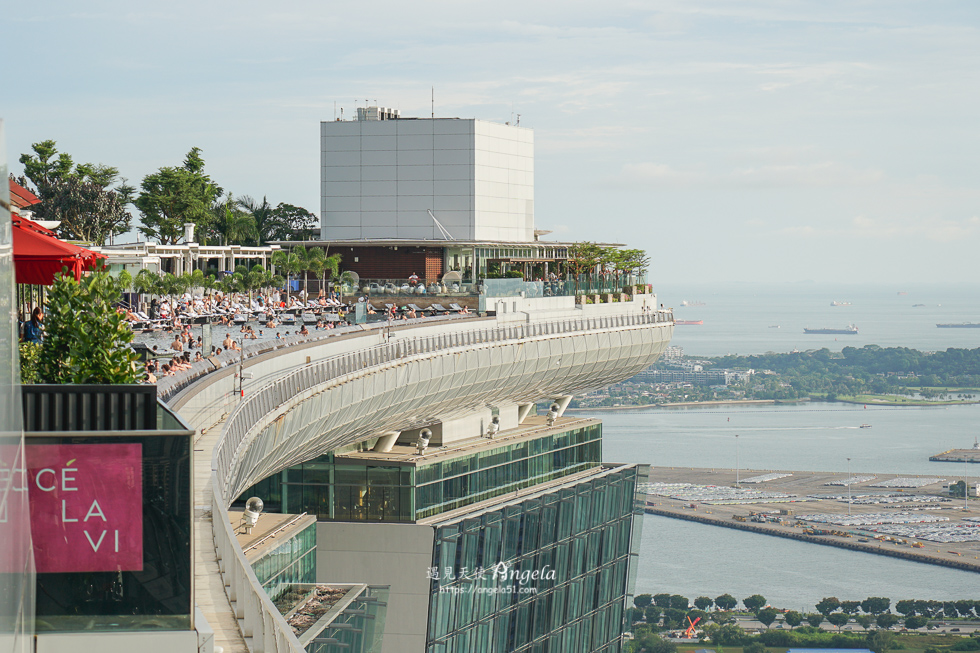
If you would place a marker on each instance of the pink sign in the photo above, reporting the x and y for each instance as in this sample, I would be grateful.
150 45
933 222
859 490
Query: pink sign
86 506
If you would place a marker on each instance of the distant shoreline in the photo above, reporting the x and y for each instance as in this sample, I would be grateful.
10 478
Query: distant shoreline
688 404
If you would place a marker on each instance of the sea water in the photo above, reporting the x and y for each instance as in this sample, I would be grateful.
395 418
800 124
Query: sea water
694 559
753 319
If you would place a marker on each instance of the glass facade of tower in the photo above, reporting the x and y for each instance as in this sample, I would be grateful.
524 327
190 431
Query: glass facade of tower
346 488
546 574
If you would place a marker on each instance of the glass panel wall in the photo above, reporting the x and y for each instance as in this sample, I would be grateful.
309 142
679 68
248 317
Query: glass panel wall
548 573
292 562
347 489
17 573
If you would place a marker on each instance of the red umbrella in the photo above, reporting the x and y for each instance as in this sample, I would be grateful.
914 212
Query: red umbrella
39 256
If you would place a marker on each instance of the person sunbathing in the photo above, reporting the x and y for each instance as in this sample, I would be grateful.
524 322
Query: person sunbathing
304 331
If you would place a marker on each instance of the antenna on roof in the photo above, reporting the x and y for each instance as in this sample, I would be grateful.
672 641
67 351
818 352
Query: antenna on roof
445 232
518 120
433 116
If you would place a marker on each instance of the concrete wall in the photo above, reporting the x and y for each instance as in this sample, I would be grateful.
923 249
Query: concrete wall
383 554
185 641
380 178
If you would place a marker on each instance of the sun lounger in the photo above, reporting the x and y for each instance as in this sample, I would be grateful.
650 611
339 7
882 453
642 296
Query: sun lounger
439 308
456 307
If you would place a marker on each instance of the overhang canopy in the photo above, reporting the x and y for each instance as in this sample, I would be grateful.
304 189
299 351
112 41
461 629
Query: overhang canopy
39 256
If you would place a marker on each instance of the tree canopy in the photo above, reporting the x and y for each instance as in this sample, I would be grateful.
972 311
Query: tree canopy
172 196
78 196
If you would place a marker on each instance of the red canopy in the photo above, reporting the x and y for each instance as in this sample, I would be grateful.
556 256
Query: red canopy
39 256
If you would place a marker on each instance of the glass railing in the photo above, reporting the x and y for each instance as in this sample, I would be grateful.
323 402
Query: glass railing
406 288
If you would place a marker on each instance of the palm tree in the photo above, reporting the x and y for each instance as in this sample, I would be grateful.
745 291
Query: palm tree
290 262
263 216
234 226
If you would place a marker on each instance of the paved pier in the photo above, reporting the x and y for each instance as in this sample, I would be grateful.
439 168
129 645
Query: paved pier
960 555
957 456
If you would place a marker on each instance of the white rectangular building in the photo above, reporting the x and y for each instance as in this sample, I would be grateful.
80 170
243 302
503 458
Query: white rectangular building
384 176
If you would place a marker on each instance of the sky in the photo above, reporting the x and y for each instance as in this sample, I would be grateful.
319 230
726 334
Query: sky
744 141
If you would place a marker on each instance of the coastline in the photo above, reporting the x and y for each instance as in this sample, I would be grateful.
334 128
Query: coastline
864 547
687 404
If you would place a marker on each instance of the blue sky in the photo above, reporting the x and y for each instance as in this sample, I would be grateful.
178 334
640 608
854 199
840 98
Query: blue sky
736 140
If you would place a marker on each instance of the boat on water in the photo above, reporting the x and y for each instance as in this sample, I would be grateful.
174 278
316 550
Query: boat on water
689 322
687 303
839 303
960 325
849 330
773 326
865 426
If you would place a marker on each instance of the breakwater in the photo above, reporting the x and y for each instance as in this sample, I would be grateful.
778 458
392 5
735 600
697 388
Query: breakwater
957 456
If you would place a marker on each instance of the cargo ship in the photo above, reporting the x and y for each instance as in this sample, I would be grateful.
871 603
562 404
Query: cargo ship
850 330
689 322
960 325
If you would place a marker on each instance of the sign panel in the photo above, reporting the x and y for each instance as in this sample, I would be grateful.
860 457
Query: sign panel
86 504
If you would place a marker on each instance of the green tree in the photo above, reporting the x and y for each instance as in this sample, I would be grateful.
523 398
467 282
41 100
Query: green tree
87 211
754 647
229 225
652 614
914 622
648 642
679 602
293 223
754 603
46 164
674 618
814 619
79 197
886 620
793 618
905 607
864 620
880 641
850 607
722 617
728 635
86 338
584 257
703 603
766 616
662 600
642 600
172 196
838 619
726 602
875 604
262 215
828 605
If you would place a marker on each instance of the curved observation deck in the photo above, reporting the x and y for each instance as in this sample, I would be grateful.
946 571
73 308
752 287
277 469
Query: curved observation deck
343 391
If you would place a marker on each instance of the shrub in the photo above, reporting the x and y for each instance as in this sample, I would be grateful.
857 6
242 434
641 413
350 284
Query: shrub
85 339
30 354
